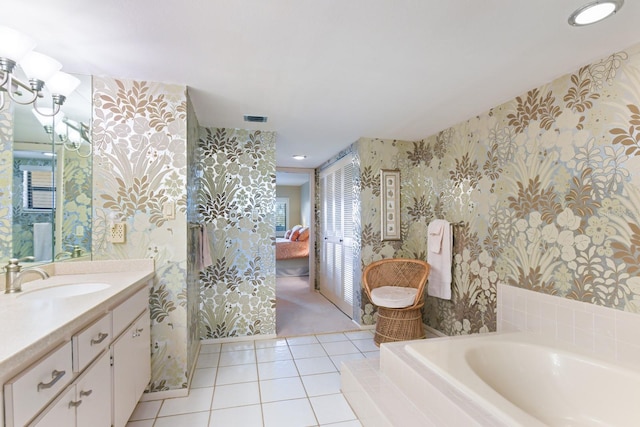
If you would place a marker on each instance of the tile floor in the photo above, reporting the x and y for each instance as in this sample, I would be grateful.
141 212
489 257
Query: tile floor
283 382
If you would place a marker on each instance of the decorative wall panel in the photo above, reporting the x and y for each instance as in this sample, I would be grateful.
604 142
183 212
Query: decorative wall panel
140 164
6 180
236 203
546 185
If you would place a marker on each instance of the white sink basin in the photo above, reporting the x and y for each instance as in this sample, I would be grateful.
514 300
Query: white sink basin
65 291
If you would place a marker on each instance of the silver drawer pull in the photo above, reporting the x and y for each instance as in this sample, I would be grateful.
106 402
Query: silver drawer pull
137 332
75 404
101 337
55 375
85 393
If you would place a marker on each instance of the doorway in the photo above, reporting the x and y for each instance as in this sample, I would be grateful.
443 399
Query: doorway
300 308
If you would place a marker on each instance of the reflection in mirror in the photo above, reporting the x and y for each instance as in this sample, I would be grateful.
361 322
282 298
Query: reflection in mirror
51 188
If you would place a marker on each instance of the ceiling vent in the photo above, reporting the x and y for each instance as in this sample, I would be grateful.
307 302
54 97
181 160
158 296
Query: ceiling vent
255 119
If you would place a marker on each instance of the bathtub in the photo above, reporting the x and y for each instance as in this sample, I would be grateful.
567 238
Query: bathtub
523 379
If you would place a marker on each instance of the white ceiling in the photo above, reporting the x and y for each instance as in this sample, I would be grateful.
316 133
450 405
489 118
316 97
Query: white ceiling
327 72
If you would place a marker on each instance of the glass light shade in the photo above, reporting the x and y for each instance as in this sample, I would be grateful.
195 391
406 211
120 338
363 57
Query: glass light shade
14 45
62 83
48 119
594 12
39 67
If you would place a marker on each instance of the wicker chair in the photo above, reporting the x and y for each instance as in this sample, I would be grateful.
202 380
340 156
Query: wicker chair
396 286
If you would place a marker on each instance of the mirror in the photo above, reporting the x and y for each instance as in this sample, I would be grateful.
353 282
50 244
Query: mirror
51 180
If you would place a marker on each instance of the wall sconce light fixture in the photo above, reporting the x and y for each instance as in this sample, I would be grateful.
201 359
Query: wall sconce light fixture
39 70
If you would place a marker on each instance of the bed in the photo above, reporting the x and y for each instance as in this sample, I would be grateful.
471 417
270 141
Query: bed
292 257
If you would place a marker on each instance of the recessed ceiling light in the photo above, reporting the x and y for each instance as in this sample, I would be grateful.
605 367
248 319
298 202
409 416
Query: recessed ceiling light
299 157
255 119
594 12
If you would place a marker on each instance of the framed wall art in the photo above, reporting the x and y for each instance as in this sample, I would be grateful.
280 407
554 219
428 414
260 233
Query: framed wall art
390 199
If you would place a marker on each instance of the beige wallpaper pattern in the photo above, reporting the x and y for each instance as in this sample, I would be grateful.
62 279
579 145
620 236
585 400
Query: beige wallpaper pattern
547 188
6 180
236 203
140 163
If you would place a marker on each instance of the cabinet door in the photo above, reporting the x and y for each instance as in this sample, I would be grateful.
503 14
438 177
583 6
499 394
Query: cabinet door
131 368
61 413
94 390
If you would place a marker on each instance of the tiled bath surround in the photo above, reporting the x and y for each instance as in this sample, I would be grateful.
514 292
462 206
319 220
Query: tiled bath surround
603 331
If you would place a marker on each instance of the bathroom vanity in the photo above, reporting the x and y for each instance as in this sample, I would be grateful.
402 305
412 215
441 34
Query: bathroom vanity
76 347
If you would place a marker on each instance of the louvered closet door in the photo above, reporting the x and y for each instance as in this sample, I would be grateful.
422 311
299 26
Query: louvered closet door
336 252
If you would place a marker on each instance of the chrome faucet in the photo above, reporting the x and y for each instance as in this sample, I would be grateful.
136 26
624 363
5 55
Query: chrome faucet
14 274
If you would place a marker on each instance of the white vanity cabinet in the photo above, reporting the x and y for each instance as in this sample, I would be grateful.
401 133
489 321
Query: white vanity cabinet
28 392
86 402
95 379
131 373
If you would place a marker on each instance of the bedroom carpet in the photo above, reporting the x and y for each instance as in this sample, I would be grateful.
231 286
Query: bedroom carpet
302 311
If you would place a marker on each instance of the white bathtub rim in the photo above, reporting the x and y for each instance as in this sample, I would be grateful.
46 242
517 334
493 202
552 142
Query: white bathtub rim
480 392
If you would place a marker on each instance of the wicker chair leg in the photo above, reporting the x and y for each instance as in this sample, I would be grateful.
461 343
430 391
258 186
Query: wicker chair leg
399 324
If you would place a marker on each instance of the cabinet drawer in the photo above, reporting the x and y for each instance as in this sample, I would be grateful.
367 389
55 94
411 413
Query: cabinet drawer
90 342
26 394
129 310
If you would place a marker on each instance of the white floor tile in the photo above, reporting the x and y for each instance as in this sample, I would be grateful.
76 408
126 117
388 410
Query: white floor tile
237 346
210 348
360 335
321 384
340 347
243 394
271 354
236 374
332 409
281 389
337 360
204 377
146 410
306 339
307 350
277 369
241 357
207 360
372 354
197 419
315 365
366 345
143 423
353 423
245 416
332 337
288 413
276 342
199 399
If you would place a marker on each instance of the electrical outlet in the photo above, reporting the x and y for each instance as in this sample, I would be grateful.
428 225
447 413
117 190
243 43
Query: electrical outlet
169 210
117 232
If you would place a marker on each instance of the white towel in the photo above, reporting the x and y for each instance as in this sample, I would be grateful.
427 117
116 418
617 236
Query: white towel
42 241
440 262
436 232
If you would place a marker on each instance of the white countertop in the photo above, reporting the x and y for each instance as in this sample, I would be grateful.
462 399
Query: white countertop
30 328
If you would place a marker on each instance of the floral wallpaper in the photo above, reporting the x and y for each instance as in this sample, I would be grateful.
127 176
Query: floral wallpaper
236 204
6 177
546 188
76 190
140 165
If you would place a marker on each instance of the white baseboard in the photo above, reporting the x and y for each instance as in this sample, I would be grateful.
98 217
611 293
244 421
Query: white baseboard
237 339
433 331
166 394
